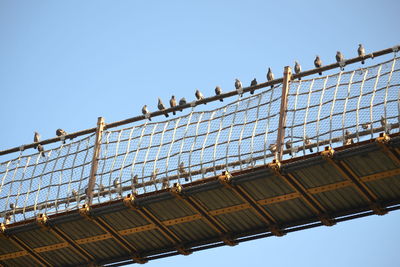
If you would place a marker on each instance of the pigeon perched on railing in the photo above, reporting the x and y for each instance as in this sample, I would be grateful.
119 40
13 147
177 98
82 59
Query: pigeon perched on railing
61 132
146 112
172 103
199 95
161 107
218 91
135 180
253 83
238 86
366 125
318 63
102 190
117 186
165 183
340 59
182 101
385 125
361 52
288 146
41 149
181 170
270 76
36 138
272 148
347 139
307 142
297 68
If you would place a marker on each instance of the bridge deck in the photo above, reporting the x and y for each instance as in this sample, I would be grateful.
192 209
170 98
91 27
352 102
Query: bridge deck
318 189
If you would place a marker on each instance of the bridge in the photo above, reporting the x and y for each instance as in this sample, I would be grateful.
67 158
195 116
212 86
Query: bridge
296 154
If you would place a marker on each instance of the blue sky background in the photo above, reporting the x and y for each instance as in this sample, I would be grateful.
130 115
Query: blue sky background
64 63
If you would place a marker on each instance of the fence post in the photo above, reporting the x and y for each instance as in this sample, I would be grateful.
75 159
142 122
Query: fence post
95 160
287 75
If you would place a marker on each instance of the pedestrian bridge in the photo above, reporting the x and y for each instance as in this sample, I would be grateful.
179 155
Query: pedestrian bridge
297 154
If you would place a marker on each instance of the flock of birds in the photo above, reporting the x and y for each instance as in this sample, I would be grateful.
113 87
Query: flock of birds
239 87
347 140
218 91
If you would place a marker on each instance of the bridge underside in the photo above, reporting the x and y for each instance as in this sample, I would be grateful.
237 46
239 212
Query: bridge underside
319 189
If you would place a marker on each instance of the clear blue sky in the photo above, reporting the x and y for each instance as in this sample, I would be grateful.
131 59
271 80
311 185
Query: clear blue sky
64 63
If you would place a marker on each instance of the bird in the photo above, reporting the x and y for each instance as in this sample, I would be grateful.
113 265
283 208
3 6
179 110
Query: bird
253 83
135 179
318 63
154 174
117 186
238 86
36 138
347 139
272 148
74 193
146 112
61 132
307 142
339 58
12 206
172 103
385 125
182 101
162 107
165 183
218 91
181 170
366 125
361 52
102 190
199 95
288 145
40 149
270 76
297 68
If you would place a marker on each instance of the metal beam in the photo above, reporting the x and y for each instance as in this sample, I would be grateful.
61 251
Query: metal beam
43 222
264 215
129 201
85 212
204 214
287 74
347 173
23 246
296 186
383 141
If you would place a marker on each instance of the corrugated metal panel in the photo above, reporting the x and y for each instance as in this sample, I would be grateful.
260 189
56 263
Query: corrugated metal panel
170 209
65 256
218 198
194 230
6 246
387 188
124 219
20 261
267 187
341 199
149 240
318 175
38 238
104 249
80 229
370 163
240 221
290 210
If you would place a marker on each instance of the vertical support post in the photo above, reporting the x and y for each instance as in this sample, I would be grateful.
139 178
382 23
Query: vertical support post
95 160
287 76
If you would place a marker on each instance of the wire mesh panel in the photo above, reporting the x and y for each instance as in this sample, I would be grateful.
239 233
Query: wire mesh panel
343 108
151 156
336 109
52 181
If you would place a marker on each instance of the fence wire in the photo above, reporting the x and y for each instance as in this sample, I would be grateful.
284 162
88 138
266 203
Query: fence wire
336 109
